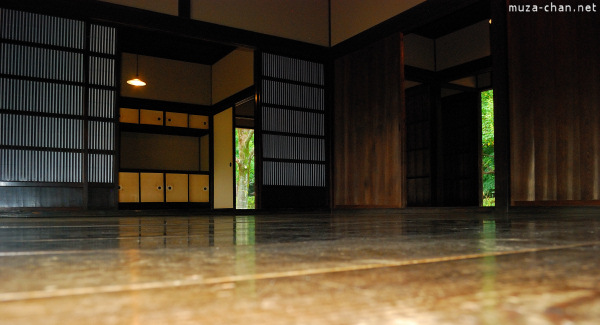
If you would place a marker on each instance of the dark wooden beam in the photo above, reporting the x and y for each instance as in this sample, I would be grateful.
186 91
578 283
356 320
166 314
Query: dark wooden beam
467 69
185 9
160 105
420 75
444 77
459 87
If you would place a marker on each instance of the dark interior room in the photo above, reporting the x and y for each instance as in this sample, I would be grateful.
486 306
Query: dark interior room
299 162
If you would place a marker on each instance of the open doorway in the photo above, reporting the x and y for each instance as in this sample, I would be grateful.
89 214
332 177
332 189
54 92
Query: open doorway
447 67
244 169
488 163
245 193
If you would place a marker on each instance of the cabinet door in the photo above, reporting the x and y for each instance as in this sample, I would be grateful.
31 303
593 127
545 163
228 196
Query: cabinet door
177 187
152 187
129 187
199 188
151 117
198 122
129 115
176 119
223 160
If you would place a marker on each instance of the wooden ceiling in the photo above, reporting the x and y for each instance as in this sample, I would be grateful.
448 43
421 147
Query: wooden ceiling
171 46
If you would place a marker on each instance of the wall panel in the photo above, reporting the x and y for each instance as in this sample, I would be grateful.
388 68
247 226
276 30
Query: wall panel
554 77
232 74
293 163
369 167
57 103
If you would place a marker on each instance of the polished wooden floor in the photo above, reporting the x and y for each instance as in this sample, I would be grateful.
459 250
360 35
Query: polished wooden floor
300 269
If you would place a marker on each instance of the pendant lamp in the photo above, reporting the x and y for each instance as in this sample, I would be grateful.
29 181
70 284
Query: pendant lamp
136 81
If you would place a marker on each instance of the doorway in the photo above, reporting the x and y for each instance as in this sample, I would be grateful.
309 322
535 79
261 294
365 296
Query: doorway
488 163
244 169
245 189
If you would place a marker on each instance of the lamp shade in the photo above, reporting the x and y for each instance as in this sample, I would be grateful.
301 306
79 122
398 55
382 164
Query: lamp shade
136 82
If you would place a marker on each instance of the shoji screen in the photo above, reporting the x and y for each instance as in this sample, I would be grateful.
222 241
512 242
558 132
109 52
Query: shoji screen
57 111
293 133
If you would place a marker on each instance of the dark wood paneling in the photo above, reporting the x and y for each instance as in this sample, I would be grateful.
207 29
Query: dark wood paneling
461 129
41 197
369 168
554 77
102 197
294 197
558 203
420 146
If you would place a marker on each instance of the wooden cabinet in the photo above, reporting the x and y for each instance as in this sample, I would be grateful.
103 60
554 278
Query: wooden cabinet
199 188
154 177
129 115
151 117
177 187
163 187
198 122
176 119
151 187
129 187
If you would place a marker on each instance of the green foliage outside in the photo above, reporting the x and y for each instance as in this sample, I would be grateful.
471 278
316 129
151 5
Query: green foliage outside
487 142
244 169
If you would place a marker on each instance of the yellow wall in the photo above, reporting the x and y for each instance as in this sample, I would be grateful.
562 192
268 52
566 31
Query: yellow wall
232 74
167 80
169 7
351 17
302 20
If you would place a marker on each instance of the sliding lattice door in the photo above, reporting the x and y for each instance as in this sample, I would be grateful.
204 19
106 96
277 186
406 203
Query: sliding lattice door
293 135
57 111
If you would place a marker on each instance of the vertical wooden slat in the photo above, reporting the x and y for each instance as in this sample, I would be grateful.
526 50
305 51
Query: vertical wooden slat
543 127
522 74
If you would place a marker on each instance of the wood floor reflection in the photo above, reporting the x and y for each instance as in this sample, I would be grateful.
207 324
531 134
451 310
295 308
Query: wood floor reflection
294 269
